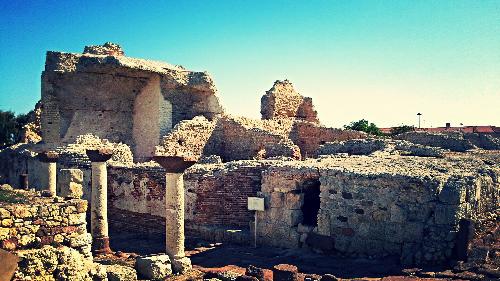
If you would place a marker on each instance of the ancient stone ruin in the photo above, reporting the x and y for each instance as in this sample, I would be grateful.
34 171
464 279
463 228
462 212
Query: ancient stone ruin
122 146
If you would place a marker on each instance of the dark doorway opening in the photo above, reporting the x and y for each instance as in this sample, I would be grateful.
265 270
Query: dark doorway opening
464 236
310 207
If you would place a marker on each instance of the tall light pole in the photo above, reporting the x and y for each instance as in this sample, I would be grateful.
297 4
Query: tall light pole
419 114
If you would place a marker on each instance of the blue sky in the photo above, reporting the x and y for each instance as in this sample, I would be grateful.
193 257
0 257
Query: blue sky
379 60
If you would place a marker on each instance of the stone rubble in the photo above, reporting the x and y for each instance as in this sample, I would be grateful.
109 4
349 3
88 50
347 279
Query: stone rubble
154 267
380 146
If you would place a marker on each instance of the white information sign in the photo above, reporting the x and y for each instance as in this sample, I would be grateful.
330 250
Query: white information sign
255 204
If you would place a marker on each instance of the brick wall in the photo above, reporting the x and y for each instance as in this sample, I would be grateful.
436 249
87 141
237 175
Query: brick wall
217 194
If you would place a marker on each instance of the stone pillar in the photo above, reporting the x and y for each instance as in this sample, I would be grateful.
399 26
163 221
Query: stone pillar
99 200
50 158
174 197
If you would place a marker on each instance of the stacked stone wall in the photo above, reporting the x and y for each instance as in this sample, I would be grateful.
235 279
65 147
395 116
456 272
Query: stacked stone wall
377 214
241 142
309 136
282 189
453 141
45 222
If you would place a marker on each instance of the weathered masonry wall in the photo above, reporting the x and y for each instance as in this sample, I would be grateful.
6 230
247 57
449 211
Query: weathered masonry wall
284 190
375 214
216 195
121 99
26 226
309 136
237 138
140 190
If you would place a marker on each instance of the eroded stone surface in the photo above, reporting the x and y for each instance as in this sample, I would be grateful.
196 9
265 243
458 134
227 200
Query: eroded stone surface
282 101
122 99
155 267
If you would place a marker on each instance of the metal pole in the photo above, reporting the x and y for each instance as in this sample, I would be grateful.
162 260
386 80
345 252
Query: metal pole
255 231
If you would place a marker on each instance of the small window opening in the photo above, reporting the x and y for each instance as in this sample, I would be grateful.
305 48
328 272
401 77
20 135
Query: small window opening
310 207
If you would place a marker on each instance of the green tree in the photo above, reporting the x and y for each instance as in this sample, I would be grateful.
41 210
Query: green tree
364 126
11 127
402 129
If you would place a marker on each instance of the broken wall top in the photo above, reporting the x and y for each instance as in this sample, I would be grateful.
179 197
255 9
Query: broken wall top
282 101
102 59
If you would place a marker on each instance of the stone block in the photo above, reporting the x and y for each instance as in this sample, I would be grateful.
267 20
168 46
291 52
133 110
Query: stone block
256 272
342 243
394 232
413 231
447 214
76 219
285 272
70 183
321 242
181 265
295 217
4 213
301 228
117 272
9 264
294 201
80 240
453 191
397 214
155 267
277 199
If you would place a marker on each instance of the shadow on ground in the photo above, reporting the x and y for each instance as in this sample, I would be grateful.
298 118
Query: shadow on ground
215 256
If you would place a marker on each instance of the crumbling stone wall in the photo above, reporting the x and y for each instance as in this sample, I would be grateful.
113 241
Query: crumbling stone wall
484 141
45 221
377 206
232 138
119 98
282 101
18 161
137 189
193 137
239 138
247 141
31 132
379 147
454 141
57 263
281 224
309 136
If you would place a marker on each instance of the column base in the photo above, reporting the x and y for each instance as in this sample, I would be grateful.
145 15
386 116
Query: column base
180 265
101 245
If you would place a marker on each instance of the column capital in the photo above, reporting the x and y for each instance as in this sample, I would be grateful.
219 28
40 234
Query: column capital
48 156
175 164
100 154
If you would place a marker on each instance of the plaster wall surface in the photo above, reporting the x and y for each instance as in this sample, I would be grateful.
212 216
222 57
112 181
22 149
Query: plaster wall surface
121 99
147 118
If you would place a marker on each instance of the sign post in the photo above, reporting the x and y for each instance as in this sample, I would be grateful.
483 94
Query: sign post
255 204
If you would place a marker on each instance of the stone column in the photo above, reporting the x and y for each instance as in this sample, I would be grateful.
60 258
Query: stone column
99 200
174 217
50 158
